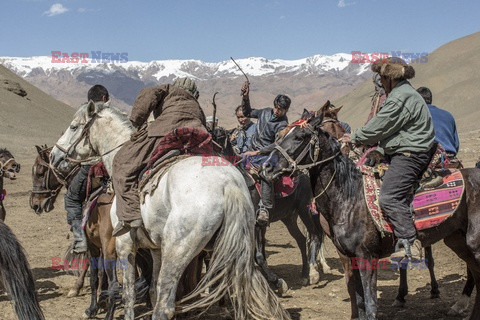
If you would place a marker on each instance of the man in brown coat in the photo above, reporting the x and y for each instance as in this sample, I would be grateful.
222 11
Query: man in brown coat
173 106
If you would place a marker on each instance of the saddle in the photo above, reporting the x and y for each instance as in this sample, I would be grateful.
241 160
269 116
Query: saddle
435 200
177 145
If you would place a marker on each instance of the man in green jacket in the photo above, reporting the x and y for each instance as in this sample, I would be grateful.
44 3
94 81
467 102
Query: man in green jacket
404 129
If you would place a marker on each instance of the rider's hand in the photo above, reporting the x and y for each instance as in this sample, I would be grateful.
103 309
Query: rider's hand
246 89
251 153
347 138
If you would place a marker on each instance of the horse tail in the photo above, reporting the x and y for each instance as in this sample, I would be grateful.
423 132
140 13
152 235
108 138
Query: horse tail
232 271
17 277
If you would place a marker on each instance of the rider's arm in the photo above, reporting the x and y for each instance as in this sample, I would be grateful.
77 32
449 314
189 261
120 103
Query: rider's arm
391 118
147 100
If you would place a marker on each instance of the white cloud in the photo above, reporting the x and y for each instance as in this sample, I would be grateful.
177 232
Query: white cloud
81 10
343 4
56 9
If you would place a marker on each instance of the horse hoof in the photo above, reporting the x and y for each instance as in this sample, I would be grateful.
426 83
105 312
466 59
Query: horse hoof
282 287
327 270
398 304
434 295
72 293
305 282
89 314
314 277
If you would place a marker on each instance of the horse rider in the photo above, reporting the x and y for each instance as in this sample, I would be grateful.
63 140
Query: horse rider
173 106
241 137
404 129
444 125
269 122
77 190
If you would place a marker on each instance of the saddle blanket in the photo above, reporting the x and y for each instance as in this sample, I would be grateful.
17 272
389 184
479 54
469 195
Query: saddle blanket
282 187
432 207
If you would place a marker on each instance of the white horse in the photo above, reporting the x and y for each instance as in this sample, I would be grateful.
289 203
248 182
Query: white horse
191 204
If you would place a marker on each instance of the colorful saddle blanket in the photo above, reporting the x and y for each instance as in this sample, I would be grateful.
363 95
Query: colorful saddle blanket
283 187
432 207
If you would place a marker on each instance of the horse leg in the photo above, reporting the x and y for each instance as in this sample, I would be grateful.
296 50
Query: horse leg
145 263
94 266
457 242
321 254
402 289
292 226
110 259
261 260
126 252
350 281
157 262
366 288
78 284
434 292
461 306
175 260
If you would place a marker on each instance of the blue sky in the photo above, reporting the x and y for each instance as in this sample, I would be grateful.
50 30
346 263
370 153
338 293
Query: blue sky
214 30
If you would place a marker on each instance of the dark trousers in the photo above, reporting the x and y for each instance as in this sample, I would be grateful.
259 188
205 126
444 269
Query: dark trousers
266 194
128 163
75 195
396 193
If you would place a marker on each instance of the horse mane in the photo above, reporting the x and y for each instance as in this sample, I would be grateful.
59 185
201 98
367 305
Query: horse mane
106 107
347 174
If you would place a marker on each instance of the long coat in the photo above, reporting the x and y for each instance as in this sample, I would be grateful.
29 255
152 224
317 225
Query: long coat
172 108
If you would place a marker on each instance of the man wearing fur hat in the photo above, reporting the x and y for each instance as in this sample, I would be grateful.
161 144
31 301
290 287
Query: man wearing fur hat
404 129
173 106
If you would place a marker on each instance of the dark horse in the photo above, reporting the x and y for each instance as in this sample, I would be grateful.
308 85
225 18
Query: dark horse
17 277
287 210
340 200
8 168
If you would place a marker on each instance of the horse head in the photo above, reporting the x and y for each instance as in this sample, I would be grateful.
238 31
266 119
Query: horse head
305 145
94 128
46 185
8 166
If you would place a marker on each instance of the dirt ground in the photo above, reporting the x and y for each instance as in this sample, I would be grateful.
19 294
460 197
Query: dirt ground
44 237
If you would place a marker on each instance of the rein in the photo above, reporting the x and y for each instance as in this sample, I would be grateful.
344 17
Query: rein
314 140
3 165
84 135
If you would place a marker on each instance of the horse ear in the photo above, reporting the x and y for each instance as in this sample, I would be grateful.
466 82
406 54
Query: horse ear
39 149
317 121
324 107
306 114
337 110
91 108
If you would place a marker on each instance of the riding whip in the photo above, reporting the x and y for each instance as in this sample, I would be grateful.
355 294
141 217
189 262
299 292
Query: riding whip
239 68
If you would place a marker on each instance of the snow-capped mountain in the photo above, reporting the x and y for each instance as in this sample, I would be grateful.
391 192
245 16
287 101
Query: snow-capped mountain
307 81
199 70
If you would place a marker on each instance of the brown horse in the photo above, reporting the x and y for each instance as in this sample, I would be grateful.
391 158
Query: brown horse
340 201
101 243
8 168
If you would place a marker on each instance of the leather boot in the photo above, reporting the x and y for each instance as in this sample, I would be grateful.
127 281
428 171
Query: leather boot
408 249
79 237
263 217
123 227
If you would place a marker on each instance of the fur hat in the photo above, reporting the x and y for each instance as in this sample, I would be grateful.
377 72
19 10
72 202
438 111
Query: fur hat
393 68
187 84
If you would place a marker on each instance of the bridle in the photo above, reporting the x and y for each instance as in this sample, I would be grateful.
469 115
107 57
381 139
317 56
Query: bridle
85 134
49 190
312 148
4 165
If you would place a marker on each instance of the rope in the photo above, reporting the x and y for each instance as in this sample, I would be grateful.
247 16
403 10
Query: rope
328 185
